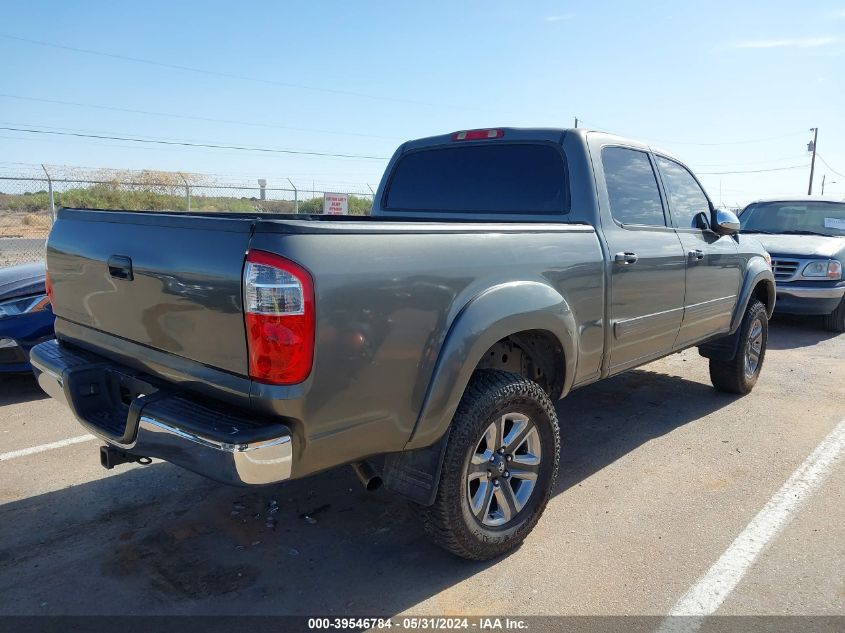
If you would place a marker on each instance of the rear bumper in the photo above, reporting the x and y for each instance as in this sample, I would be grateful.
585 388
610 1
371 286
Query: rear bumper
808 298
133 413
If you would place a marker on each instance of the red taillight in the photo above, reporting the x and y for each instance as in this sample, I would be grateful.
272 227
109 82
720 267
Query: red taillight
477 135
279 313
48 285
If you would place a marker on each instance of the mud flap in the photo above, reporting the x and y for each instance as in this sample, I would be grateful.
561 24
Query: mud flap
723 348
416 474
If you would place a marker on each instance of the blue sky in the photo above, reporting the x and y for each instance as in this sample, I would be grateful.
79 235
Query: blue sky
698 79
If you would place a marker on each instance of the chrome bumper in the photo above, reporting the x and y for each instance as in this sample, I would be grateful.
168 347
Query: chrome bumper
260 462
811 292
167 426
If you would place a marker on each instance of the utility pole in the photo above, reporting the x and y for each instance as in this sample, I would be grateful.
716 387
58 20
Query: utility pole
832 182
576 122
823 177
812 147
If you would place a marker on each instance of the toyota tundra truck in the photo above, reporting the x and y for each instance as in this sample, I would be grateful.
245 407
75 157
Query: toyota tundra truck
500 269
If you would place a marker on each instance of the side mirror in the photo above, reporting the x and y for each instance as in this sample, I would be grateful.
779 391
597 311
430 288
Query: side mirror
725 222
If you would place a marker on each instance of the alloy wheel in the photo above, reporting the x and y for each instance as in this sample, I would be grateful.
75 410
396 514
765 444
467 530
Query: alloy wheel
503 469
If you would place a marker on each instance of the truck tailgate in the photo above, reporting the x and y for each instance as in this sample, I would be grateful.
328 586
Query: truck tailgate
166 281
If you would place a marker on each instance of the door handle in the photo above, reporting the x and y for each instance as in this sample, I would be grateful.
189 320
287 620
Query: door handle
120 267
696 255
625 259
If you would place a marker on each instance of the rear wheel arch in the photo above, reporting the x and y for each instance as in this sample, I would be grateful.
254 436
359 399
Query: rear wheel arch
543 333
526 314
537 355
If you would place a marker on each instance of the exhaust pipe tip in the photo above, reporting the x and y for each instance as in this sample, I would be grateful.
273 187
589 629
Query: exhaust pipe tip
367 475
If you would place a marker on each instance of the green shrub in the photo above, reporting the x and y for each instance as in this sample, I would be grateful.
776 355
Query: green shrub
112 196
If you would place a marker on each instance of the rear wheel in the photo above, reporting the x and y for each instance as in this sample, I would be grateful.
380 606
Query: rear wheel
500 465
835 321
739 375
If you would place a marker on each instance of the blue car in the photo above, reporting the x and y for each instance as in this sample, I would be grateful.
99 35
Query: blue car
26 317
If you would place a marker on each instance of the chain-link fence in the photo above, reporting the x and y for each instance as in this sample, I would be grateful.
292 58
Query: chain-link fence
25 220
28 203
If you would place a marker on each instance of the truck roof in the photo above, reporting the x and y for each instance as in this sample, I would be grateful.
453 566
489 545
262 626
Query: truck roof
552 134
510 133
798 198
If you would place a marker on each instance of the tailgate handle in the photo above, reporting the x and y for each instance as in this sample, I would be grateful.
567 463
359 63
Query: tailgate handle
120 267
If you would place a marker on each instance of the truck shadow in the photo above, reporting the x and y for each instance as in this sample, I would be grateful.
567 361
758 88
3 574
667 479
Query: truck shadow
788 331
19 388
605 421
159 540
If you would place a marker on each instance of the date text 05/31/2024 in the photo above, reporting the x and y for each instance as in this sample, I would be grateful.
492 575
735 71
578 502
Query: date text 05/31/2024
419 623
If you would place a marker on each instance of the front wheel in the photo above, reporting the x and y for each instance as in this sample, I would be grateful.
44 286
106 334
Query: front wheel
500 465
739 375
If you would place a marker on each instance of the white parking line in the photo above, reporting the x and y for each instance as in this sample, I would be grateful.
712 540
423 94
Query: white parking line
707 595
45 447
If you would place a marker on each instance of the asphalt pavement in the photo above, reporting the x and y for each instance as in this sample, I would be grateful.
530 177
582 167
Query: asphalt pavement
660 477
19 250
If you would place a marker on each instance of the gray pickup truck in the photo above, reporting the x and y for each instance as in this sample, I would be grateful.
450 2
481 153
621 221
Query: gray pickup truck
500 269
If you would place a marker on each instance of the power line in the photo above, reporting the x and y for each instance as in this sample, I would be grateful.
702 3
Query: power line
190 117
745 142
709 143
750 171
168 151
819 156
193 144
228 75
746 163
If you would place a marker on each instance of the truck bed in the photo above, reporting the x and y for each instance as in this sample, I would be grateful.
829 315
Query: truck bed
387 292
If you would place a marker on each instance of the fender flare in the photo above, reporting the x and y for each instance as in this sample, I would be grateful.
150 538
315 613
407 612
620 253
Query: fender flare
757 271
489 317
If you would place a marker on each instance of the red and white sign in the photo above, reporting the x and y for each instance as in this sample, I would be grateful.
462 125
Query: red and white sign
336 203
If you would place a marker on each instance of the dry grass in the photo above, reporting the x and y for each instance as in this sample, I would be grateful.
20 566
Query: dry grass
23 224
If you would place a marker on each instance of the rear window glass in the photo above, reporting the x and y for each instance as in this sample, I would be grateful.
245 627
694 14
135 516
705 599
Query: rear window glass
495 178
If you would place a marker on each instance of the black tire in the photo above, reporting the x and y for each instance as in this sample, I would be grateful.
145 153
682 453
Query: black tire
733 376
491 397
835 321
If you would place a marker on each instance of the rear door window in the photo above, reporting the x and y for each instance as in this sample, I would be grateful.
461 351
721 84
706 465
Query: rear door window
632 187
513 178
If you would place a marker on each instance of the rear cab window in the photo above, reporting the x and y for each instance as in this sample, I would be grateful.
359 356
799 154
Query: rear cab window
516 178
